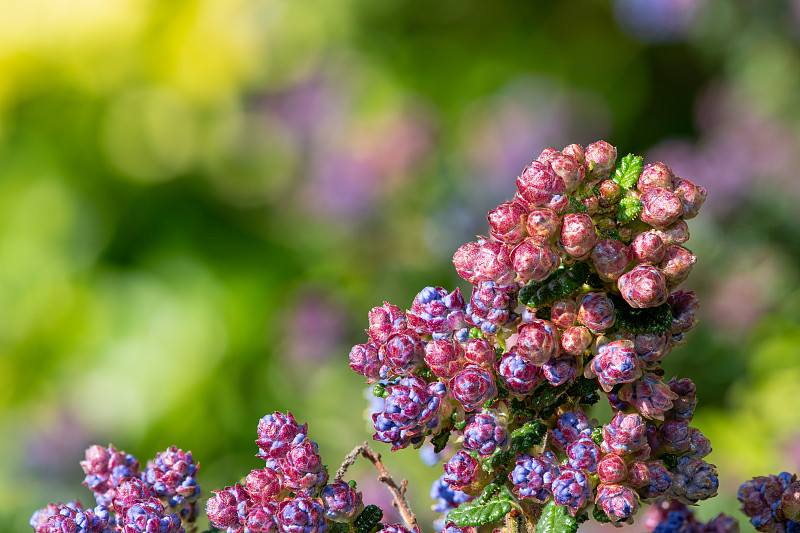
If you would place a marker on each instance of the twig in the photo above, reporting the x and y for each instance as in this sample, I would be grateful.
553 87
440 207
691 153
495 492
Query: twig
398 491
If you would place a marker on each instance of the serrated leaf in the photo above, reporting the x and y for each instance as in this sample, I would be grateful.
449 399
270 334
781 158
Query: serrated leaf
560 284
338 527
368 519
627 172
575 206
628 209
439 441
556 519
529 435
482 510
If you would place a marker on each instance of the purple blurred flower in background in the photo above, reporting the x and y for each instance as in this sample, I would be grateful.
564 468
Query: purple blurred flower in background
657 21
315 327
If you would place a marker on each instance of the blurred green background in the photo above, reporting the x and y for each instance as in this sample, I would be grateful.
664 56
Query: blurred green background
200 200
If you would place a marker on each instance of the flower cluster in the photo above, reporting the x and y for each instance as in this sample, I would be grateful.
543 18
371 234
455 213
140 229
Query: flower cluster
575 290
772 502
672 516
161 498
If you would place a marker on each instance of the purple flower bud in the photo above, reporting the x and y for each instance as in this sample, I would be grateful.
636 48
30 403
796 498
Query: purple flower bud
302 467
612 469
644 286
444 358
492 306
507 222
448 497
365 361
540 186
575 340
651 347
411 408
301 515
222 508
485 433
611 258
694 480
71 518
655 175
700 446
674 437
761 500
173 475
543 224
538 341
473 387
685 306
264 485
276 432
582 455
660 481
148 516
619 502
464 260
105 468
533 476
790 502
692 197
533 260
571 426
578 234
648 247
638 475
721 523
385 321
480 352
571 489
402 354
261 518
564 313
341 501
660 207
677 264
624 435
600 158
649 396
682 406
398 528
615 363
576 151
461 471
568 169
559 370
519 373
435 311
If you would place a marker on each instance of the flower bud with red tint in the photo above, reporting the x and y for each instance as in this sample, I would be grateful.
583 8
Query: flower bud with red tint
540 186
533 260
619 502
651 347
612 469
507 222
444 357
473 387
543 224
403 354
538 341
684 306
660 207
480 352
675 233
578 234
692 197
519 373
655 175
678 263
615 363
568 169
464 260
365 361
492 263
384 321
610 192
564 313
575 340
600 158
644 286
596 312
611 259
648 248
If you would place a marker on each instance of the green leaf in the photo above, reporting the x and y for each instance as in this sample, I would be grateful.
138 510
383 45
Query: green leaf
368 519
338 527
560 284
600 515
627 172
476 333
556 519
647 320
528 436
575 206
483 511
628 209
439 441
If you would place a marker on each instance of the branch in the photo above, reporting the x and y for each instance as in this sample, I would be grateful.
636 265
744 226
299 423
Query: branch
398 491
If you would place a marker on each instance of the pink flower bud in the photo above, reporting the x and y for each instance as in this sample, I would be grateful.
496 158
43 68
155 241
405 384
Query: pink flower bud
660 207
648 248
610 192
616 363
576 151
575 340
692 197
644 286
543 224
678 263
564 313
655 175
480 352
540 186
600 159
533 260
365 361
507 222
568 169
578 234
619 502
675 233
464 260
611 258
473 387
385 320
651 347
638 475
538 341
403 353
649 396
596 312
592 204
444 357
612 469
547 154
264 485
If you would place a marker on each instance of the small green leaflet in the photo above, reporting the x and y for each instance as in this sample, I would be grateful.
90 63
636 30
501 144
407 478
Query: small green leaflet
627 172
338 527
368 519
480 511
628 209
556 519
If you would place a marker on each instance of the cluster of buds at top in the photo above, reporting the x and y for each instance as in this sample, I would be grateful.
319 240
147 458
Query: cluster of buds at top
575 290
161 498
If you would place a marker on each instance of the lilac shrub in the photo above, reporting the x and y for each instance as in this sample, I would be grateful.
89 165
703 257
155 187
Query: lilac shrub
575 294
